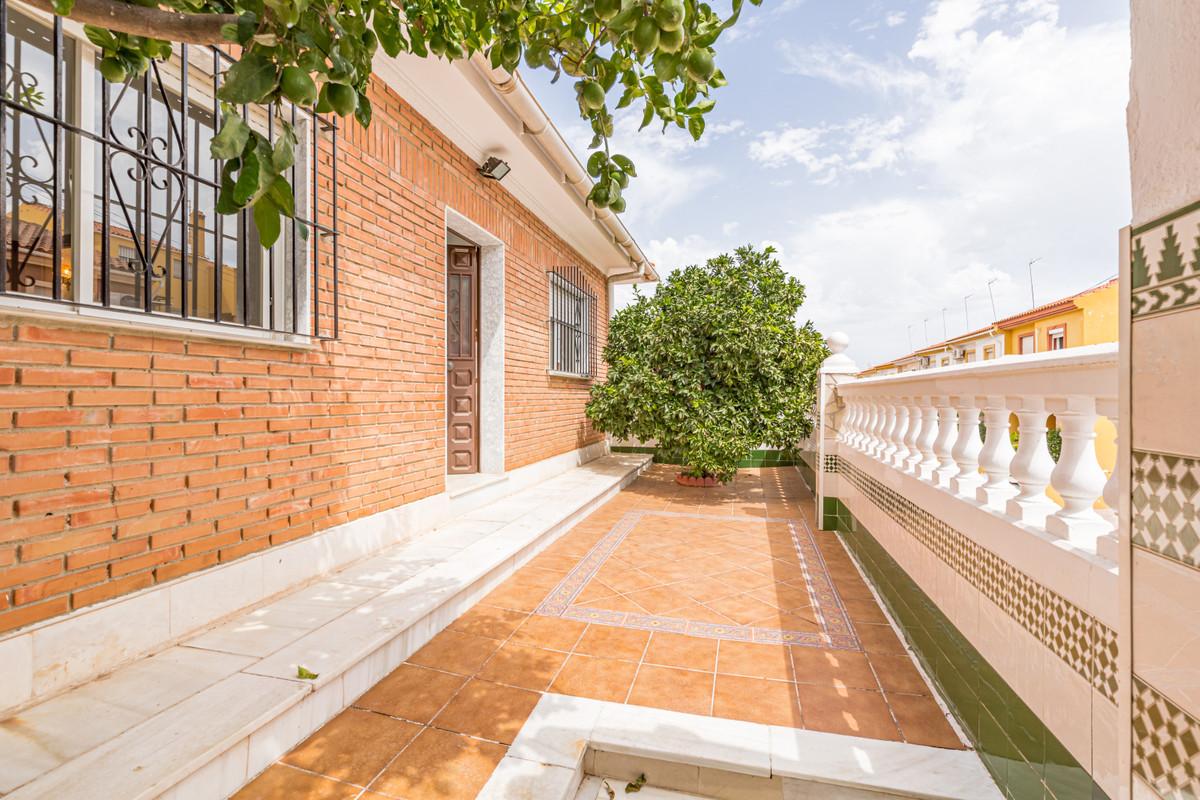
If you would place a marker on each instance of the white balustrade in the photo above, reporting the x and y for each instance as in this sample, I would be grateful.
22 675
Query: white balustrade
913 455
891 419
967 448
996 456
900 437
926 440
926 424
943 447
1077 477
1032 465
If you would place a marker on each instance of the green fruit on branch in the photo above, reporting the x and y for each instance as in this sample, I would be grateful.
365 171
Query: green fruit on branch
112 70
700 66
670 41
592 96
669 14
341 98
607 9
645 35
298 86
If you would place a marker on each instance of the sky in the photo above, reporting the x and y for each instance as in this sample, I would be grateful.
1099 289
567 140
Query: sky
900 156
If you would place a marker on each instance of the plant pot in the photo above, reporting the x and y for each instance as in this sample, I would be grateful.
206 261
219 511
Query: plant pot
690 480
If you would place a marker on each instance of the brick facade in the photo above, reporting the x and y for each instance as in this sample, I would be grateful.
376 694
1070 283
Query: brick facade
130 458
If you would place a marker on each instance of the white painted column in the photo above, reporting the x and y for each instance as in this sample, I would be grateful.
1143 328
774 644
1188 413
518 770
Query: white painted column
891 419
928 462
916 424
966 448
1032 465
943 446
900 435
996 456
1077 476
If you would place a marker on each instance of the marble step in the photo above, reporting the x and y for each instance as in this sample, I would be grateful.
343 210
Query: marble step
202 718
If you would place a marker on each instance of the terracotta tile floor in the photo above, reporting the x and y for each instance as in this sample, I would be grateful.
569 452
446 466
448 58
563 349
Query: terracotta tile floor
718 601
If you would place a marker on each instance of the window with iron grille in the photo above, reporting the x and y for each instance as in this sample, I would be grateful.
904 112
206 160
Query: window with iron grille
110 191
572 324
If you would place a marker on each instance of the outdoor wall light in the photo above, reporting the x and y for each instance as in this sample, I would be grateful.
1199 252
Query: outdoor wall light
494 168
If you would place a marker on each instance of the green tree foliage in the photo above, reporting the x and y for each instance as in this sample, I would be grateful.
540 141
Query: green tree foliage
318 54
713 364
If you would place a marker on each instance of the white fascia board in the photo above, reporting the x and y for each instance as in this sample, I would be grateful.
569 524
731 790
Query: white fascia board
459 103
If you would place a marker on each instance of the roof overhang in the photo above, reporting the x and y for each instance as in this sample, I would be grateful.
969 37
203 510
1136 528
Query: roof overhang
461 100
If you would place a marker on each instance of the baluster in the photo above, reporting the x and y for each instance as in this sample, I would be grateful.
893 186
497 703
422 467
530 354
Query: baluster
1077 476
856 423
915 426
943 447
846 423
1106 545
1032 465
900 436
966 449
865 426
996 456
891 418
925 441
881 428
871 441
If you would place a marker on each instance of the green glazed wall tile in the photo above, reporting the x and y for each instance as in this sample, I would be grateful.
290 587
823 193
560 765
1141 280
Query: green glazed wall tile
1023 756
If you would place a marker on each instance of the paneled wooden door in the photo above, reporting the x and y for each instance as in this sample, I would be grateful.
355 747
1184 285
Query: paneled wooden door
462 359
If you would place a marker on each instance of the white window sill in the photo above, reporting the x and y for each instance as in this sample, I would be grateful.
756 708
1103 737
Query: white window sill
572 375
140 322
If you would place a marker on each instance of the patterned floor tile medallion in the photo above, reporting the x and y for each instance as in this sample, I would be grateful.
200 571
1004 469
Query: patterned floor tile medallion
745 579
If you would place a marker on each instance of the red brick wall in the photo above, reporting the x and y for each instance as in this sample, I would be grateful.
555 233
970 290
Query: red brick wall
130 458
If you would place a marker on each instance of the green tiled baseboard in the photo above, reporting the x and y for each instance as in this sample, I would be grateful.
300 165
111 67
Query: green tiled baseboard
806 461
1025 758
757 458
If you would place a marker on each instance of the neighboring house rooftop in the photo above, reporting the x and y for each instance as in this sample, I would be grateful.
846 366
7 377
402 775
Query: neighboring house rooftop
1049 309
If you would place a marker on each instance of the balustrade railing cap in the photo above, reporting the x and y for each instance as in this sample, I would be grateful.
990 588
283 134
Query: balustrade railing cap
838 363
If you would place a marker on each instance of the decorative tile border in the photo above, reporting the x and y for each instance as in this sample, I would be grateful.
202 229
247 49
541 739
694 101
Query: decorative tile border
831 463
1165 499
1083 642
1165 263
1166 744
837 632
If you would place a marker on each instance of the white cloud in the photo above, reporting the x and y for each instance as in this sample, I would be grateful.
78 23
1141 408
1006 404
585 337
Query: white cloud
895 18
844 67
1014 149
860 145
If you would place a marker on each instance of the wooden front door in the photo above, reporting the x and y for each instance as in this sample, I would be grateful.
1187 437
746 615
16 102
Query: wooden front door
462 362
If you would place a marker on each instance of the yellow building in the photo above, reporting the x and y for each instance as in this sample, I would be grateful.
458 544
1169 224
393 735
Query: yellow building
1089 317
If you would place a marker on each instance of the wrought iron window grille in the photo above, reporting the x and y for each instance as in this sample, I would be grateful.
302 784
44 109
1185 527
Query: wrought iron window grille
110 190
572 324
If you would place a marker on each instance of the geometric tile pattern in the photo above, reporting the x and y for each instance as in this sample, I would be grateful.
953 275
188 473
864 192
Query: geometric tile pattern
831 463
1165 264
1078 638
1166 506
740 583
1166 744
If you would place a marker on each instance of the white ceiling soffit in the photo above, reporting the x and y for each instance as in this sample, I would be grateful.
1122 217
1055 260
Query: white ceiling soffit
463 104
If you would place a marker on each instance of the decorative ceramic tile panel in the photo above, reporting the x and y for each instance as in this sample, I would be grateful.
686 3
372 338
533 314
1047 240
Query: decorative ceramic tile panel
1166 744
722 551
1166 506
1083 642
831 463
1165 263
1104 672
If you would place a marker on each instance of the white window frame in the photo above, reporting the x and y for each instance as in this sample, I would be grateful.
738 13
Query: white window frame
82 212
